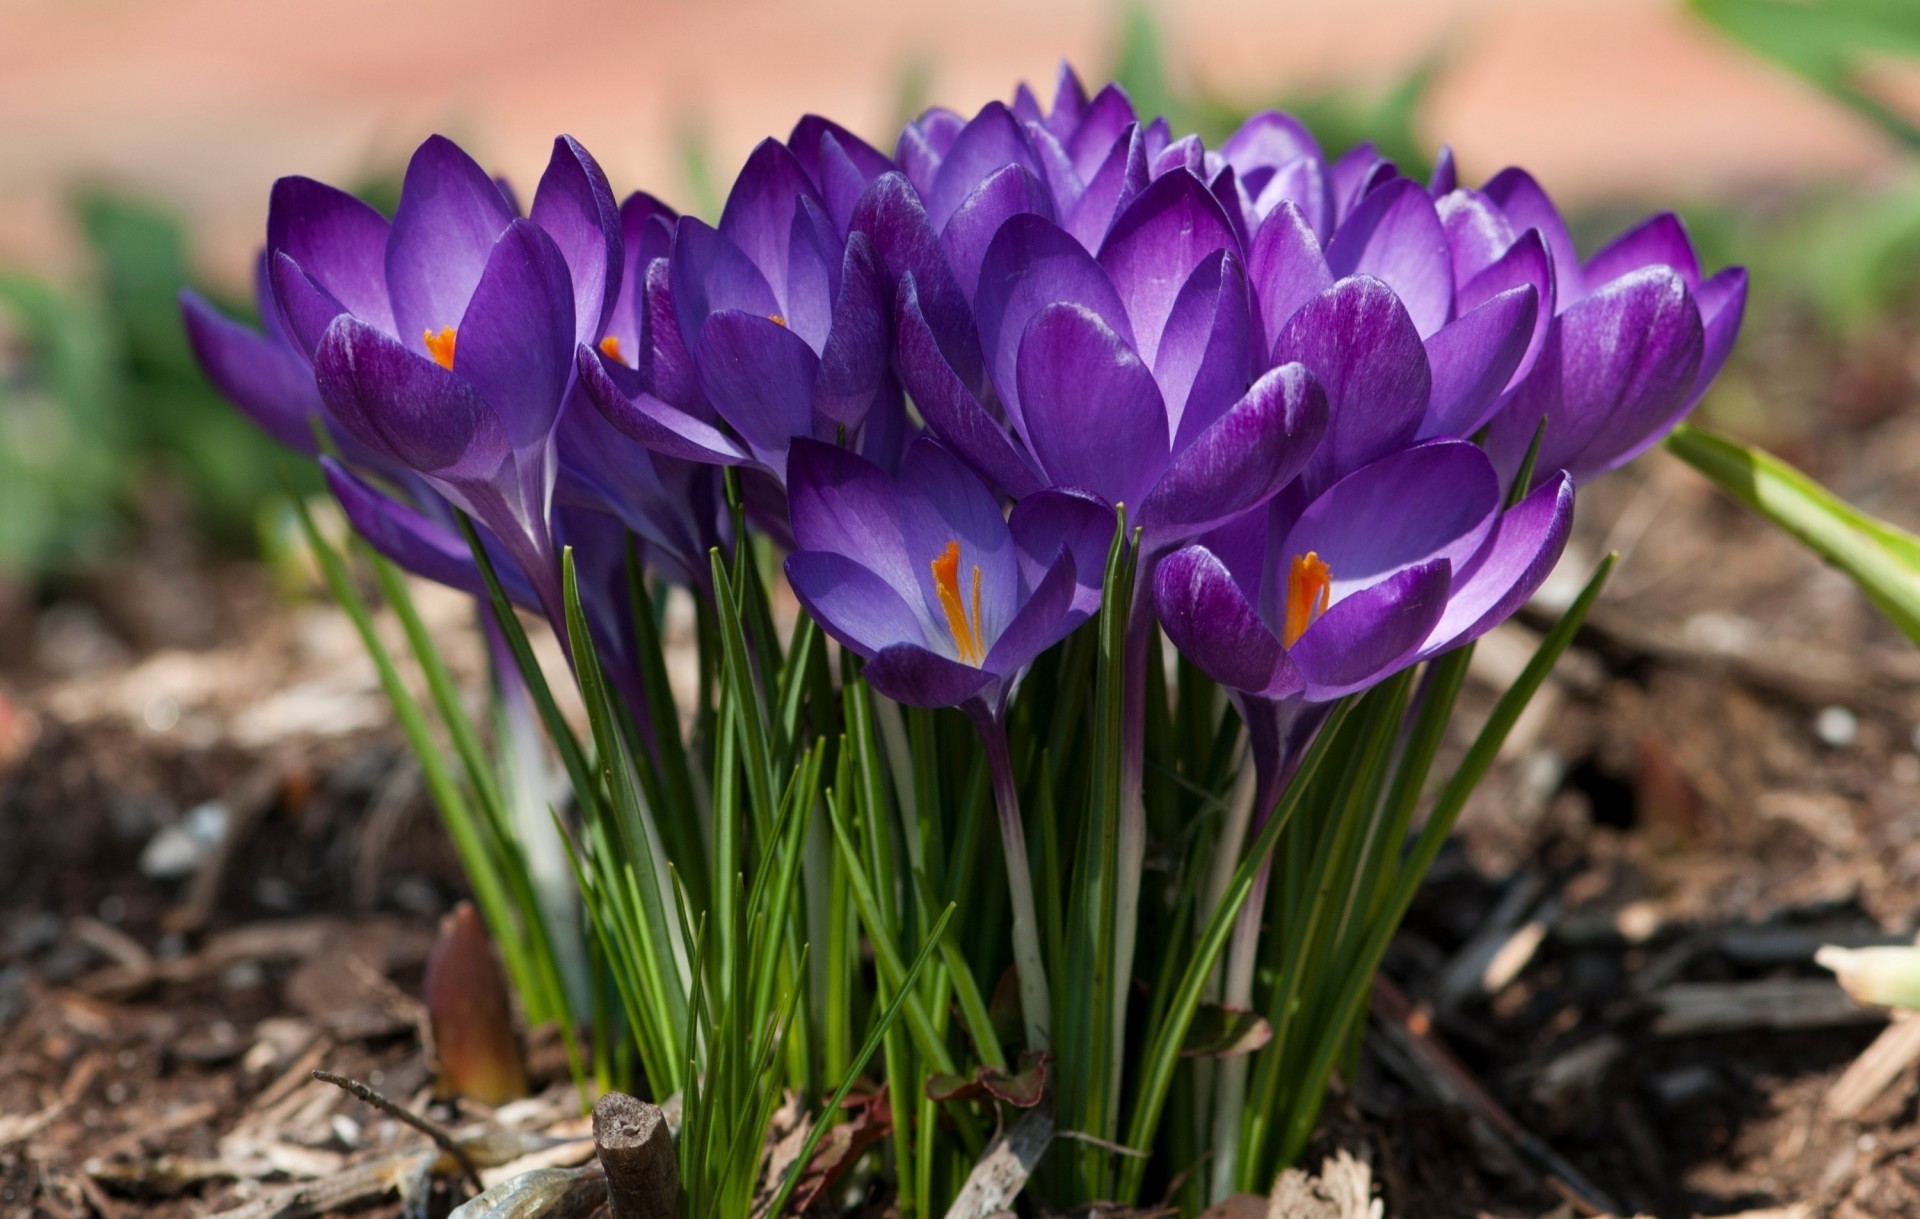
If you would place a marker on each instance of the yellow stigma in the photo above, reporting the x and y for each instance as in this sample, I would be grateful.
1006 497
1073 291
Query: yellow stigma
1308 588
966 631
440 346
611 346
776 319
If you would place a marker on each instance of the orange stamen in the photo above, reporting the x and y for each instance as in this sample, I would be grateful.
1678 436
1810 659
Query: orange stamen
611 346
946 582
776 319
440 346
1308 588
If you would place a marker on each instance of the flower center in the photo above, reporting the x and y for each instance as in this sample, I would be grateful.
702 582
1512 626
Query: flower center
776 319
1308 587
611 346
964 628
440 346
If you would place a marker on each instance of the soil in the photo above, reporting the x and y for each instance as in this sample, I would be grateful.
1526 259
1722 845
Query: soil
1604 1000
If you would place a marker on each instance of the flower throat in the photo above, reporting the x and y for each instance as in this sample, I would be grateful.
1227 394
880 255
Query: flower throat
964 628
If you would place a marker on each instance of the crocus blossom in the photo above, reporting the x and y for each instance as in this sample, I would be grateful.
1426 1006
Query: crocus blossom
776 325
1404 558
444 341
1129 375
947 599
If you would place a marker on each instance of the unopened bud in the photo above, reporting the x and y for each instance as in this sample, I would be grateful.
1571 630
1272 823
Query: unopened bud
1887 976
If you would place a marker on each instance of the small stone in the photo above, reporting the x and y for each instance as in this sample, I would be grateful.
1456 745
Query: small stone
1836 727
171 854
346 1130
244 975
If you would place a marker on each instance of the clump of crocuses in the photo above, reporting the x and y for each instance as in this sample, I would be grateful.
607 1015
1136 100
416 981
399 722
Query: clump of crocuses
1163 464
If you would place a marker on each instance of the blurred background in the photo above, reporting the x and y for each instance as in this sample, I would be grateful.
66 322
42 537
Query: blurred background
140 139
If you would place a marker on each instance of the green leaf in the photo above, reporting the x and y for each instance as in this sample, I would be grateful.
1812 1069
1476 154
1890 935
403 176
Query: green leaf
1882 559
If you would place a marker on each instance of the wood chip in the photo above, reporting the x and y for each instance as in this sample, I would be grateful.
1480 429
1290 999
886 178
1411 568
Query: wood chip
1689 1009
1003 1170
1892 1052
1343 1190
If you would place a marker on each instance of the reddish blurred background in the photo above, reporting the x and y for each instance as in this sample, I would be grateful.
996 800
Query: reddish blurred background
201 103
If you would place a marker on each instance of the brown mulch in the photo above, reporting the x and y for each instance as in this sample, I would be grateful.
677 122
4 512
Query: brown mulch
217 871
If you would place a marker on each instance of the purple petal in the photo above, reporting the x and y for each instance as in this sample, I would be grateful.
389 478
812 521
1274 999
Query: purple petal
950 408
1048 616
646 234
1478 232
1186 153
759 375
839 163
923 144
1155 246
852 604
841 503
1526 264
267 380
1614 376
1363 349
1206 355
1031 264
1658 241
1359 172
1723 302
1047 521
450 215
1420 505
661 426
664 361
709 273
919 678
1446 177
337 240
1243 459
1114 185
853 363
418 543
1093 415
993 139
515 342
304 307
1304 184
1209 619
1105 117
1472 360
1509 568
1009 191
758 217
1268 140
1527 206
405 406
815 253
1372 634
1394 235
574 205
1285 268
890 212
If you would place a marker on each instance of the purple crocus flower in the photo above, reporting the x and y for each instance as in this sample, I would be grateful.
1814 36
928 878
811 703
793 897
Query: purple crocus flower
1129 375
1637 332
675 506
778 319
444 342
947 598
1404 558
263 372
1076 164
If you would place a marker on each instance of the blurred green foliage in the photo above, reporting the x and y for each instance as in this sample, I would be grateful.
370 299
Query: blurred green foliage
99 392
1832 44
